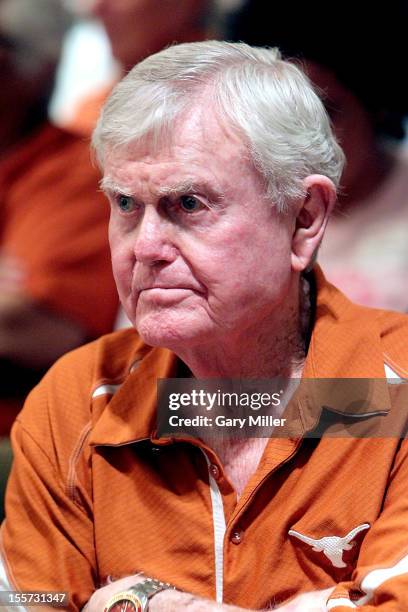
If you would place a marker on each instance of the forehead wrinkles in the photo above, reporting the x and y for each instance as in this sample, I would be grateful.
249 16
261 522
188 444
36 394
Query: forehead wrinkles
198 127
201 146
215 138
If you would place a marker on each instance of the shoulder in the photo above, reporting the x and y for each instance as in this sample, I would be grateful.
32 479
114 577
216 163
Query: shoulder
59 412
390 329
75 375
350 340
393 330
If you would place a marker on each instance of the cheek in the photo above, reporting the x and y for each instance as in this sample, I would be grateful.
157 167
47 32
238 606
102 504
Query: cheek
259 269
220 265
122 263
120 270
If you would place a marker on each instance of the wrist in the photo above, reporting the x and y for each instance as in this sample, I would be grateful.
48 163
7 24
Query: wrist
170 600
164 600
136 596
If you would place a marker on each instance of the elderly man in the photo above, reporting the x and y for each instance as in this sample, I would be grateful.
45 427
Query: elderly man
30 46
221 170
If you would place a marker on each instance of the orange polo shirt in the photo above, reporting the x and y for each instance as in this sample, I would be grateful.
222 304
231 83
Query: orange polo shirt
93 493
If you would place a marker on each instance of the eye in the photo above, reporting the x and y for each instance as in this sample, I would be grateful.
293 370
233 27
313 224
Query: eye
125 203
190 204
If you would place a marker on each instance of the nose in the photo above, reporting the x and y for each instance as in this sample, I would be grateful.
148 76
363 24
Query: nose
154 239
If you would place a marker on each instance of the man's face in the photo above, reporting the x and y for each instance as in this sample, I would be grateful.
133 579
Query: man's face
199 255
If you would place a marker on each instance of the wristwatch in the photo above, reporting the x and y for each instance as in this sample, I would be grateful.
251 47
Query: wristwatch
136 598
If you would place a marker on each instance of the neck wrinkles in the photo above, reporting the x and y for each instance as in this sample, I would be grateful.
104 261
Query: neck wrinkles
260 353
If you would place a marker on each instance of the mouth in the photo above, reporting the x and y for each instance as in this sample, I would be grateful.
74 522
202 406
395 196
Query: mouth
166 294
156 287
167 288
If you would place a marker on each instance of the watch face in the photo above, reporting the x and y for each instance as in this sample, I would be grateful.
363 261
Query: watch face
124 603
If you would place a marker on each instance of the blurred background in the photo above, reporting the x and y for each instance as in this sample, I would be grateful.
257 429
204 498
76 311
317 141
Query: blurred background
87 62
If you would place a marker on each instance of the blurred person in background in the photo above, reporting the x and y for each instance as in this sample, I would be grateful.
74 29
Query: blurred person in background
56 285
356 59
30 46
136 29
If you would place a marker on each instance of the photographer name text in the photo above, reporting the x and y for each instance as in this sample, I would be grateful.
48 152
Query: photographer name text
223 421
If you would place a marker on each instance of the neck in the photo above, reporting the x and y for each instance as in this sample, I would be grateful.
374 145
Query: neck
276 347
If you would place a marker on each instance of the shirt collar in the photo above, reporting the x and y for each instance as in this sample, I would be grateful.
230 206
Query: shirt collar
130 415
345 355
345 344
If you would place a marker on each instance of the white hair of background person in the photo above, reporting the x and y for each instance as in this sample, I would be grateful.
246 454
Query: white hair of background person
269 101
36 28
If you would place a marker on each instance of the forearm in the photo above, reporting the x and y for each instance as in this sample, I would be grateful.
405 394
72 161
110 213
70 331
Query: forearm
169 600
172 601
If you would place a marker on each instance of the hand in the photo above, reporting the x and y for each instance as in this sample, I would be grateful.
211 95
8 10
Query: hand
315 601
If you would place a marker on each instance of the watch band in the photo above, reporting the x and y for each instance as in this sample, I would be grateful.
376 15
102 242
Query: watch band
150 587
141 592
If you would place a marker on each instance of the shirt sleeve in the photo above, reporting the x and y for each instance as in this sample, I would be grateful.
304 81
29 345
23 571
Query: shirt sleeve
380 581
47 536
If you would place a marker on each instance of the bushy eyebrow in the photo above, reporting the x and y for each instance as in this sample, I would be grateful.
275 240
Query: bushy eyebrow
188 186
107 185
191 186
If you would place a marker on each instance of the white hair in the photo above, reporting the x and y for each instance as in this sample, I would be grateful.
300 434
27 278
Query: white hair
269 101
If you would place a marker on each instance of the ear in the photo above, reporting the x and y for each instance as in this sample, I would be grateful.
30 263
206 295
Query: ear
311 219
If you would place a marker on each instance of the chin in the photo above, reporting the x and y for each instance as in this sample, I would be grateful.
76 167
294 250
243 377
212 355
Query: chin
170 332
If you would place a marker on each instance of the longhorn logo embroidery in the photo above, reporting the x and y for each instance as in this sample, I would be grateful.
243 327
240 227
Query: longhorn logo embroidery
331 546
